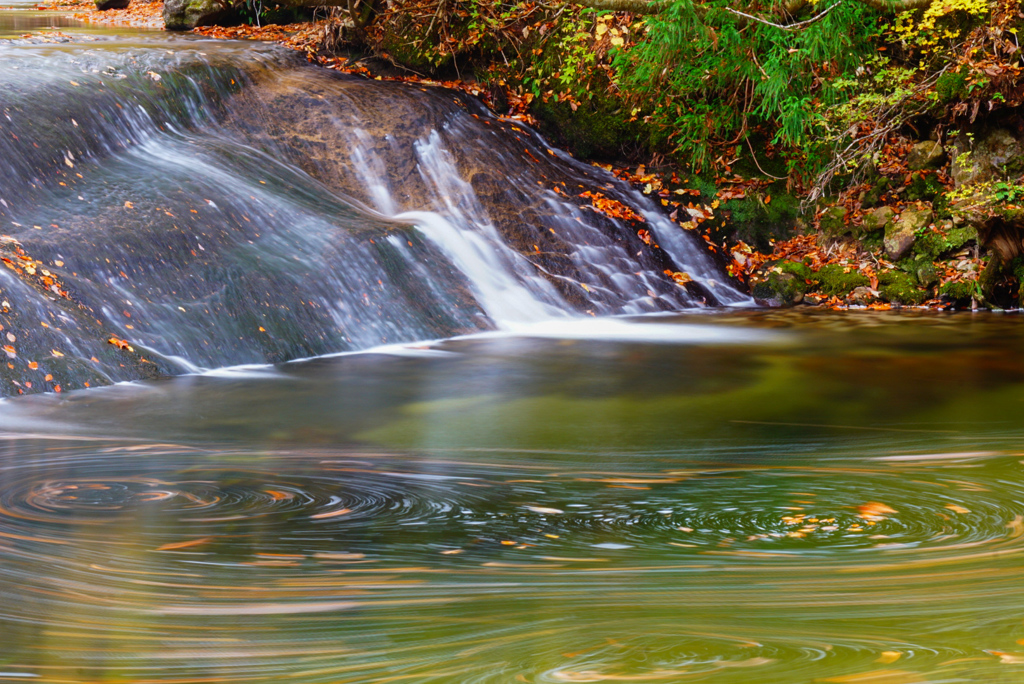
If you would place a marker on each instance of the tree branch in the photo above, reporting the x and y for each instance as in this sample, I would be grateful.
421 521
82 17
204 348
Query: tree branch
785 27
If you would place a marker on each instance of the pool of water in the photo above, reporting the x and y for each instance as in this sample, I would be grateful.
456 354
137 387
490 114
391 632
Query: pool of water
750 496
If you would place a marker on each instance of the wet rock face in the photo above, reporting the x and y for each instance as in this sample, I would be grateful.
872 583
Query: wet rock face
393 152
184 15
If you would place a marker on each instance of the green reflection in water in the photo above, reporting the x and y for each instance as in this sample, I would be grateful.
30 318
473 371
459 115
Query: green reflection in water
842 503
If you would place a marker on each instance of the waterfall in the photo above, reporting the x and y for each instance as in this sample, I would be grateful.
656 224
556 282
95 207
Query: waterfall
188 205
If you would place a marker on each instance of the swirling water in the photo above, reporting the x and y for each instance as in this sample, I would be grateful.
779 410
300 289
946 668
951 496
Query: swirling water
550 497
802 499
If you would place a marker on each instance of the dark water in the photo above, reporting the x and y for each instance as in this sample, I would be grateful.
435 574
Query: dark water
556 489
769 498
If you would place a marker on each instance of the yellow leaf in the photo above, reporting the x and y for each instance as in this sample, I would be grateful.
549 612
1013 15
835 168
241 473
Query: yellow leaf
957 509
888 657
617 41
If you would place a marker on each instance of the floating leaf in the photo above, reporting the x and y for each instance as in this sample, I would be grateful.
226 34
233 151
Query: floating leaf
874 511
331 514
541 509
185 544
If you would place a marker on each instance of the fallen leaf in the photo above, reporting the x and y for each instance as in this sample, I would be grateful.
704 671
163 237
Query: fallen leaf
541 509
331 514
185 544
874 511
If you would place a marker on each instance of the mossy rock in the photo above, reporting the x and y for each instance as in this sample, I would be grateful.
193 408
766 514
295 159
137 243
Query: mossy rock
959 291
877 219
951 86
757 223
924 188
927 154
834 280
873 195
933 244
926 273
833 222
900 288
797 268
404 45
184 15
786 289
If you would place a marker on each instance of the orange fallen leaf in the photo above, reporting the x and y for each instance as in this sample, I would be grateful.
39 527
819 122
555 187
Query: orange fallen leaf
331 514
874 511
185 544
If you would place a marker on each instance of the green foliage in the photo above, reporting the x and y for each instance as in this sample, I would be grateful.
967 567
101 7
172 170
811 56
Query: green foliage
951 86
712 74
1007 192
757 223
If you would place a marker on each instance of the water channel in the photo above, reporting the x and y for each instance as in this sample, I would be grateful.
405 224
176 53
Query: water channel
413 417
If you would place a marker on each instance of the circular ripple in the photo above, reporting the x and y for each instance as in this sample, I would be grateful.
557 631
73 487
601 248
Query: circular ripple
294 564
794 511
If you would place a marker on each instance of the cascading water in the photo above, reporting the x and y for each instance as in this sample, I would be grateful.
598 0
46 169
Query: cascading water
210 205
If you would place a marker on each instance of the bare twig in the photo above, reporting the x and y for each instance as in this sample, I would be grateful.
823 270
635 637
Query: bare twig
785 27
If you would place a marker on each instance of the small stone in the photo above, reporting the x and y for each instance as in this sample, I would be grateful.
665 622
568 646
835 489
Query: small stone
900 236
926 155
927 276
877 219
863 295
